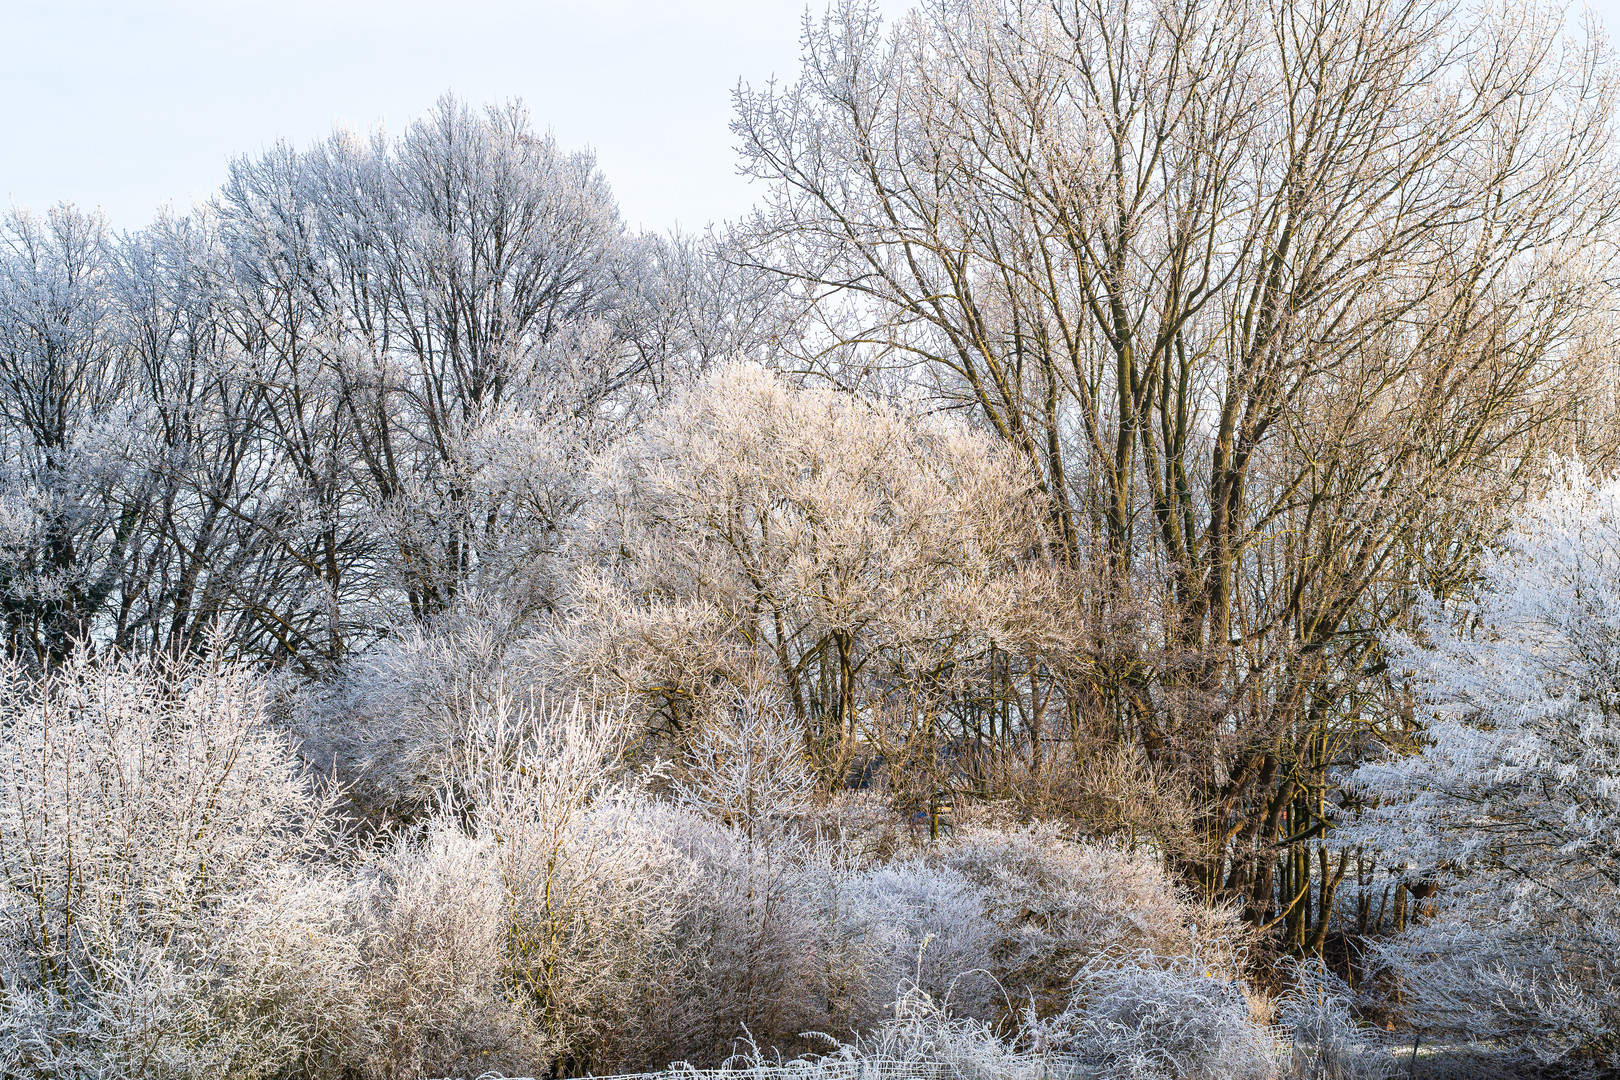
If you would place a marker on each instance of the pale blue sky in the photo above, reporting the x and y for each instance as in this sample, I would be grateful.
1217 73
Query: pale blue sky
129 105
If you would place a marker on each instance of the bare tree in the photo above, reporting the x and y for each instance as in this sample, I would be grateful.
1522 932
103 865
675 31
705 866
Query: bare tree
1277 301
863 563
432 324
64 413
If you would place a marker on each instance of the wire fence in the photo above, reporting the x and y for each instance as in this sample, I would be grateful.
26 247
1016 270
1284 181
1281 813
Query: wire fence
1010 1067
1032 1068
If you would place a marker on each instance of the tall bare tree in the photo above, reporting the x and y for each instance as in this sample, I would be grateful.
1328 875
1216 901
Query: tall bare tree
62 390
1277 301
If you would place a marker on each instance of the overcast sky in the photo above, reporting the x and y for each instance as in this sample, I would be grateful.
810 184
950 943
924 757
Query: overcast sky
131 105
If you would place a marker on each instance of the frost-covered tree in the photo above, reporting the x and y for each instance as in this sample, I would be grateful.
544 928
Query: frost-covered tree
216 550
1511 802
863 561
363 378
696 305
1277 301
436 314
65 420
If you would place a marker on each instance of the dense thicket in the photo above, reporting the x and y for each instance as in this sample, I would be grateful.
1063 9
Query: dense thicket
1280 304
180 902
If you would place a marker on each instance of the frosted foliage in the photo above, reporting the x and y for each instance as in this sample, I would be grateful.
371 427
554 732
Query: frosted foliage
920 1031
432 920
923 928
177 904
1329 1043
529 777
751 529
1160 1019
747 765
496 938
737 949
640 932
1513 803
550 916
634 933
405 708
1056 904
1129 1017
159 918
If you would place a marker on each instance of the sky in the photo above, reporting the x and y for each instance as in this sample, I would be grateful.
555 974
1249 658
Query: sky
129 106
133 105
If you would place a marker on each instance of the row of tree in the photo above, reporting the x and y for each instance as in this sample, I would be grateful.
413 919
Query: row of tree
319 404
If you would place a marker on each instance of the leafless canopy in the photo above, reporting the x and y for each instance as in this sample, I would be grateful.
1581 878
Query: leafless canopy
1277 301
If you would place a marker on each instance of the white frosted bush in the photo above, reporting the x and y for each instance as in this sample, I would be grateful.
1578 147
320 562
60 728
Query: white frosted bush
922 1037
634 932
531 779
1145 1017
434 925
920 927
746 766
1497 970
738 953
1329 1043
395 716
1056 904
178 903
163 913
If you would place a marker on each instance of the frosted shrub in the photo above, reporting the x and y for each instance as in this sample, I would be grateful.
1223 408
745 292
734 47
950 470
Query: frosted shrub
177 902
920 1031
647 934
1135 1017
434 926
1329 1042
1484 967
747 765
528 776
739 945
1512 801
396 715
1145 1017
162 913
634 932
922 928
289 986
1056 904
